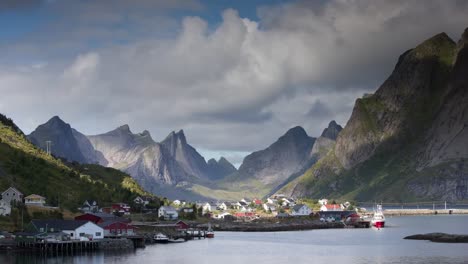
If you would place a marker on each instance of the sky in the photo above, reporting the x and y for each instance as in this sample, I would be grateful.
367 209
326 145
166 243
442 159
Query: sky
234 75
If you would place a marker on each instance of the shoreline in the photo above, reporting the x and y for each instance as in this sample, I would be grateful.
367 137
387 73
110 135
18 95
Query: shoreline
275 227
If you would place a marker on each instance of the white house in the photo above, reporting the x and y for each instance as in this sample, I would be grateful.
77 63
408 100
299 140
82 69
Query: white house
209 207
269 207
141 200
90 206
300 210
5 208
287 202
331 207
176 202
35 200
168 213
225 206
222 215
272 201
75 228
323 201
247 201
12 194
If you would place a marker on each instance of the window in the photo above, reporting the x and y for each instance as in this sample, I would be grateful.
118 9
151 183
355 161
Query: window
52 229
98 234
82 234
71 234
41 229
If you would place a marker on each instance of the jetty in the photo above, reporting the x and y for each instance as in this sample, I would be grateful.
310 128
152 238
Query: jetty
399 212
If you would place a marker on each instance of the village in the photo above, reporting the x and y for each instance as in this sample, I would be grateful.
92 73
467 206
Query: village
135 223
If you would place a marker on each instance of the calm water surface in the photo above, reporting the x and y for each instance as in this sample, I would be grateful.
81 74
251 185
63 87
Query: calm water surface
315 246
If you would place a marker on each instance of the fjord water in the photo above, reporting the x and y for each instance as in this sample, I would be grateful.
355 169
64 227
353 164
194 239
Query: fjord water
314 246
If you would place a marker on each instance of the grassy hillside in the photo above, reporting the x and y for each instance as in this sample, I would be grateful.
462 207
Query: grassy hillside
31 170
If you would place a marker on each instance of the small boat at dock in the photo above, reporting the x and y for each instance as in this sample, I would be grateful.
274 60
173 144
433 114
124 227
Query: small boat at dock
178 240
160 238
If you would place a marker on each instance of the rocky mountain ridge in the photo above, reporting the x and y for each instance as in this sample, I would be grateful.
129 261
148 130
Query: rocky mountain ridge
408 140
152 164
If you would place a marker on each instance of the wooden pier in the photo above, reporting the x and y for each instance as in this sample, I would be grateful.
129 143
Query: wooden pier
53 247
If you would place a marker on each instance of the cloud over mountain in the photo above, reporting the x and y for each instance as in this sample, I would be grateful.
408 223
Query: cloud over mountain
215 80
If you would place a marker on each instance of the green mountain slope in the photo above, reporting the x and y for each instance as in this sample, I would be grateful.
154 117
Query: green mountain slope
382 151
31 170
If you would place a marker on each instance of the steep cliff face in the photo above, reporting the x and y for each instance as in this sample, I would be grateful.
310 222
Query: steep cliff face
402 107
87 149
326 141
408 140
137 154
63 143
185 155
447 139
281 159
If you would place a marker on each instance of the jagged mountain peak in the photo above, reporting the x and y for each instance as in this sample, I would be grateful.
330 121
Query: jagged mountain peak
294 133
145 133
60 134
223 159
56 122
124 128
332 130
176 136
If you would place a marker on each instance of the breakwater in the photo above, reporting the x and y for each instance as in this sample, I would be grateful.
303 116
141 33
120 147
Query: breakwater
398 212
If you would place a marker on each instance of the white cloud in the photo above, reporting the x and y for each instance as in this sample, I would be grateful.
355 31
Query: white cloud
237 86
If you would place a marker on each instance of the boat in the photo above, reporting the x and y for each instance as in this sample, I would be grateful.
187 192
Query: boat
160 238
179 240
209 232
378 220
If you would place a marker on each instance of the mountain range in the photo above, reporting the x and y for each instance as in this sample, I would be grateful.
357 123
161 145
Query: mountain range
33 171
155 165
407 141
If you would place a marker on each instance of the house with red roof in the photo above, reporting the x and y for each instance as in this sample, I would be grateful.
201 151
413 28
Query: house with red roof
331 207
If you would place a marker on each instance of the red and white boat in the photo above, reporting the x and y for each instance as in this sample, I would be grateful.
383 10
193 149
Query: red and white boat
209 232
378 220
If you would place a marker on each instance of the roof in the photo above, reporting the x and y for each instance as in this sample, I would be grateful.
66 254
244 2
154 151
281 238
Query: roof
58 224
90 202
112 221
242 203
101 215
332 206
167 208
297 207
34 196
14 189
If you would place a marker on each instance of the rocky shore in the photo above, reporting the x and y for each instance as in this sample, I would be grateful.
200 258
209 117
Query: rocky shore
440 237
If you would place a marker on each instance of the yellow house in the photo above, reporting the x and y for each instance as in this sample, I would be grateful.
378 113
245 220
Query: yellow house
35 200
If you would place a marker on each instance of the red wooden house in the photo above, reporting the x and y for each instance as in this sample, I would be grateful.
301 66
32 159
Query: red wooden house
101 217
115 228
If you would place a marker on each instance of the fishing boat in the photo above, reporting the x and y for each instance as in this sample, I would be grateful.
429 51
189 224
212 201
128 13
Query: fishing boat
209 232
178 240
378 220
160 238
